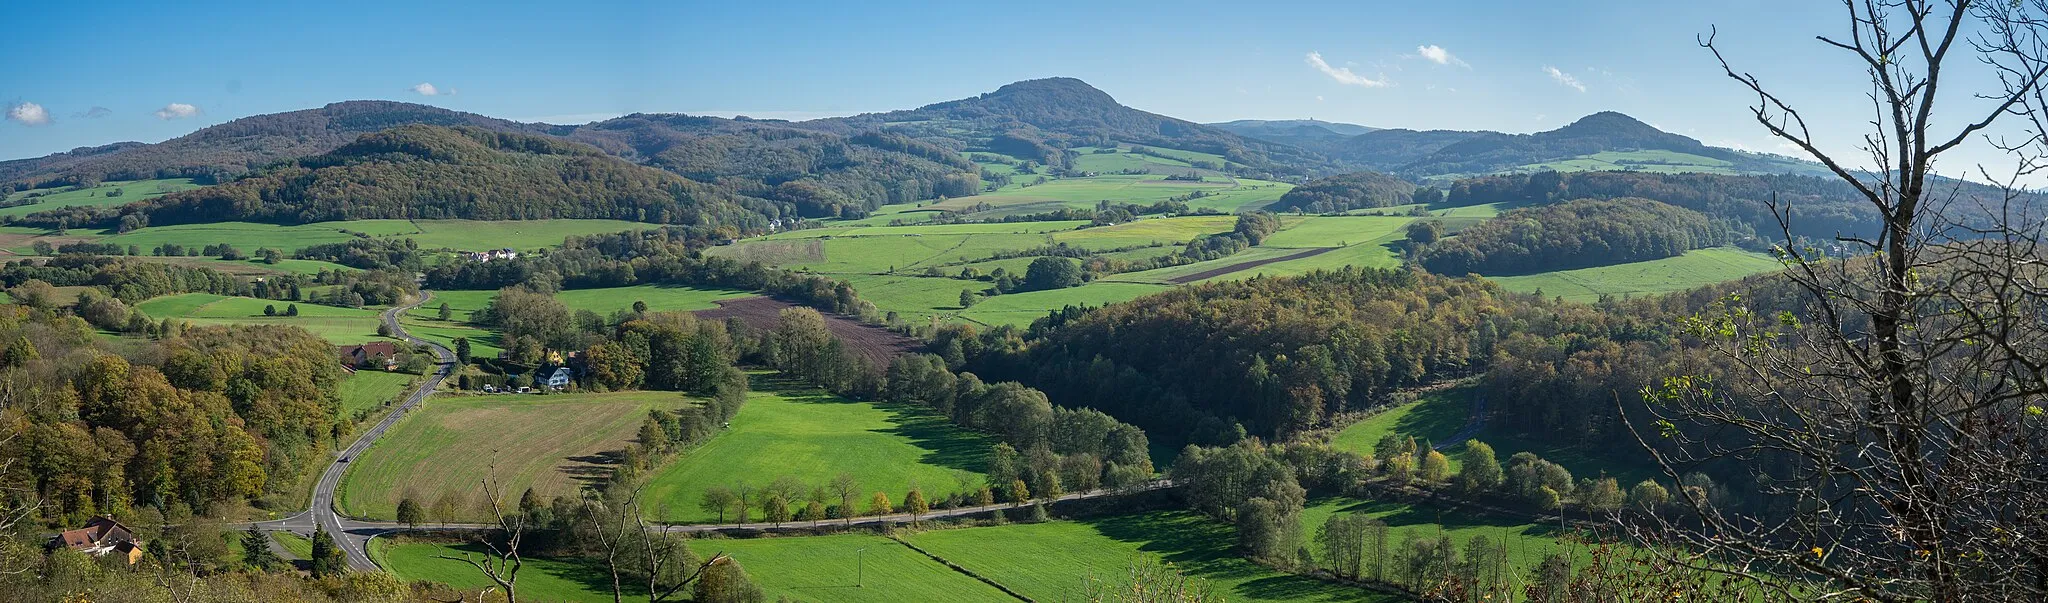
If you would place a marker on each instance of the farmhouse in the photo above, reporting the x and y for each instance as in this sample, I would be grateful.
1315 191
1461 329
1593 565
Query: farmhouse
101 535
558 377
494 254
370 354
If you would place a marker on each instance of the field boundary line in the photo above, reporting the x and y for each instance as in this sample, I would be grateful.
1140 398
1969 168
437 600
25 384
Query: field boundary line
964 571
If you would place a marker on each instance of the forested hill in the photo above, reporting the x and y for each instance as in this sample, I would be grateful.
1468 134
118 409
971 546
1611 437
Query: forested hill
1351 191
222 152
432 172
819 173
1034 119
1574 234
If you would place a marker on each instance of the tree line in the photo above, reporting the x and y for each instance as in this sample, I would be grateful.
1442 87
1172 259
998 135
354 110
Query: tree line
1573 234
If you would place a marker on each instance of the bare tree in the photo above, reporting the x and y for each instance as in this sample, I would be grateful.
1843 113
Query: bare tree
1896 406
502 563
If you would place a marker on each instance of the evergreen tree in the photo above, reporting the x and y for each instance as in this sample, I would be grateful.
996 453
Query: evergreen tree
328 558
256 553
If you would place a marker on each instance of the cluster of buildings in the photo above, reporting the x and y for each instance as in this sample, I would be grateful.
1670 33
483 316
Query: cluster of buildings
494 254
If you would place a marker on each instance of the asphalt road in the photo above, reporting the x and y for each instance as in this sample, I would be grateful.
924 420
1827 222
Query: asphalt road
354 536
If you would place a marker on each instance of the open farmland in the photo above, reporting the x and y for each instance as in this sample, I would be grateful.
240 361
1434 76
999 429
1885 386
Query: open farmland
1219 193
1021 308
1696 268
876 344
1052 561
124 192
439 454
540 578
365 390
833 568
786 430
337 325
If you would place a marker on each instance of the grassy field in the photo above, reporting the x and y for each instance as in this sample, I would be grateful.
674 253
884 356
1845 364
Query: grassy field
371 389
1172 231
1050 561
832 568
460 235
298 546
1439 415
338 325
1694 269
424 321
540 579
659 298
1224 194
1339 231
131 191
1022 308
812 436
552 444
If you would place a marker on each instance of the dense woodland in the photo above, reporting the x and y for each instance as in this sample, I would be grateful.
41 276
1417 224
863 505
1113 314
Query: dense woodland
1349 191
424 172
1573 234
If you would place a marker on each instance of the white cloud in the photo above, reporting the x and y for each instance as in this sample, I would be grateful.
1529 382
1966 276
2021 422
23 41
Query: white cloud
28 114
94 113
1344 75
1564 78
1437 54
1319 98
426 89
177 111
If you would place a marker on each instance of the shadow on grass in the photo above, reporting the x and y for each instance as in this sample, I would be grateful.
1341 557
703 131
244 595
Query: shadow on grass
1440 415
1201 548
588 574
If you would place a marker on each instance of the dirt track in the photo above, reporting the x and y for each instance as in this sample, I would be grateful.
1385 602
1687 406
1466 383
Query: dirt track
876 344
1215 272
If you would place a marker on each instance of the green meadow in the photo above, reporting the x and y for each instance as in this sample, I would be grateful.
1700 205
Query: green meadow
553 444
127 192
1696 268
337 325
812 436
365 390
851 567
540 578
1438 415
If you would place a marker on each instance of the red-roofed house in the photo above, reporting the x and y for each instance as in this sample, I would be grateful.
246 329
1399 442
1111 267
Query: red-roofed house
101 535
370 354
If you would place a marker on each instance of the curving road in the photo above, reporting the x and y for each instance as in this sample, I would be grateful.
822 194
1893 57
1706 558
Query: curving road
354 536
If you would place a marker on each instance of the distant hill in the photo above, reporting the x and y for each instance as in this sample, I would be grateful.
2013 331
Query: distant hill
1604 141
1304 133
1347 191
220 153
1035 119
434 172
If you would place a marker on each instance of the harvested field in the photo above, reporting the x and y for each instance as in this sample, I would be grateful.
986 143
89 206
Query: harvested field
1215 272
876 344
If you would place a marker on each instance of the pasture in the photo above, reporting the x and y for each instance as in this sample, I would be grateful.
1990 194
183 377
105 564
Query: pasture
424 321
1022 308
364 390
126 192
1052 561
1438 415
540 578
440 454
1171 231
1696 268
1219 193
1338 231
833 568
790 431
337 325
1527 543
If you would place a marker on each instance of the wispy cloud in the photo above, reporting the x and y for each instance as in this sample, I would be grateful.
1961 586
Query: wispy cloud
177 111
28 114
1564 78
426 89
1436 54
1344 75
93 113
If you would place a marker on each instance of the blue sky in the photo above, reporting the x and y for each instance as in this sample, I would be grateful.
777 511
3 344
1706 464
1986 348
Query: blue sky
159 70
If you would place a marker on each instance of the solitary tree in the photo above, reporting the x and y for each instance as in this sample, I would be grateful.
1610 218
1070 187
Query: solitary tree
410 513
717 500
256 551
1897 405
444 313
915 504
462 350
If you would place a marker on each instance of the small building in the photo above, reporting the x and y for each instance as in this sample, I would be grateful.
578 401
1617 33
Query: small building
494 254
370 354
101 535
557 378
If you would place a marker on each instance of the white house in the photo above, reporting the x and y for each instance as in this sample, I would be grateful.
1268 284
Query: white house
560 377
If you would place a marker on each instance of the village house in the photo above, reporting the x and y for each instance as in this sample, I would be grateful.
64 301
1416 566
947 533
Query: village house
494 254
101 535
370 355
558 377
